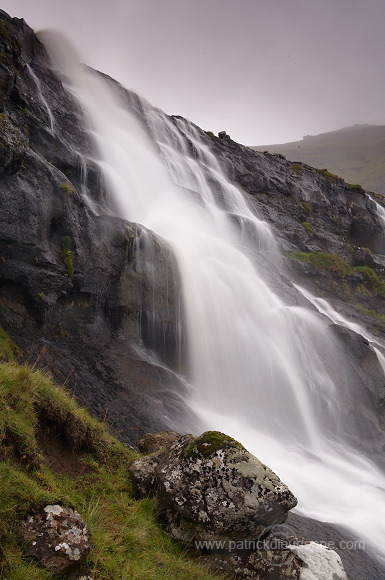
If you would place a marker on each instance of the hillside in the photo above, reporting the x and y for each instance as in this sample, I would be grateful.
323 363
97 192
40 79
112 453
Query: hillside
357 154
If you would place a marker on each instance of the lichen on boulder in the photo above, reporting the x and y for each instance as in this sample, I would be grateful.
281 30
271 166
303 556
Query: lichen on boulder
57 537
212 487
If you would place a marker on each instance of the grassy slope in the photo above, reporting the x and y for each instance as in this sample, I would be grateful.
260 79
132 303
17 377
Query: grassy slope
126 541
357 154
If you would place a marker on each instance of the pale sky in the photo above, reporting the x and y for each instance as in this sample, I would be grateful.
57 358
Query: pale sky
265 71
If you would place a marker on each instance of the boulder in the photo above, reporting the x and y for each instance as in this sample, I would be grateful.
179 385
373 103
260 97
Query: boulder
211 487
143 476
57 537
151 443
319 562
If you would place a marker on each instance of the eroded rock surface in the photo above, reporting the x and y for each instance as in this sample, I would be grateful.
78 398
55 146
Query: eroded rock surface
57 537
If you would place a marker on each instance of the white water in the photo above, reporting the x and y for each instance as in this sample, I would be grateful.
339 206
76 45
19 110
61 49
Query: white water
268 374
42 99
380 211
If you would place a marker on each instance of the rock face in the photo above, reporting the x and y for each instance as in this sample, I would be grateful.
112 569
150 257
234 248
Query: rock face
57 537
79 289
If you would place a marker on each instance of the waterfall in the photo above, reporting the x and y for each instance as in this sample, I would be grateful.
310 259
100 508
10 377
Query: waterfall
42 99
272 375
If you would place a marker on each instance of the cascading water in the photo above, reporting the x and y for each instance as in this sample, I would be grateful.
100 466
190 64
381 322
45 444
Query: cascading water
269 374
43 100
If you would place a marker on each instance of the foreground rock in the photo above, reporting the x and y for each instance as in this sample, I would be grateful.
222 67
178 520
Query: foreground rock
228 508
56 537
211 486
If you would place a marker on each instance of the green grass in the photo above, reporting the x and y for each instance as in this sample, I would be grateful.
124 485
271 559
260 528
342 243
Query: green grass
324 261
68 259
308 227
358 188
376 284
126 540
66 187
372 313
7 349
329 176
295 167
307 205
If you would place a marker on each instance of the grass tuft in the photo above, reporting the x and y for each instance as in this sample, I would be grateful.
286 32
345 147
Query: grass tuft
324 261
126 540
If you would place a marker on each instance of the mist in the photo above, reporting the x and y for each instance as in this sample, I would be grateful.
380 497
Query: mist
265 72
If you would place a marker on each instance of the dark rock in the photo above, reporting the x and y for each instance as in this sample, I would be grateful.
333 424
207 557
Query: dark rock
210 487
13 145
56 537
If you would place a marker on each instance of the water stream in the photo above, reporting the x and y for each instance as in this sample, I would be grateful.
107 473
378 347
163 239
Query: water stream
272 375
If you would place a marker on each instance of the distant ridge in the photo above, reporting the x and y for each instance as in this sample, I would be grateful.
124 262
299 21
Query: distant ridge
355 153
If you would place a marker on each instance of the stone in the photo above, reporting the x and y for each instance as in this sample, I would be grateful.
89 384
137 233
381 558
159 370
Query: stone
211 487
56 537
143 476
319 562
151 443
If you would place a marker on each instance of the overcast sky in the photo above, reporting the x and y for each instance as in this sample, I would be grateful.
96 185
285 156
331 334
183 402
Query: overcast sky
266 71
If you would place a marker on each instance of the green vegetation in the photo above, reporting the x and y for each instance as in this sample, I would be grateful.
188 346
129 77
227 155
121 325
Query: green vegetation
126 540
307 205
372 313
210 134
329 176
324 261
376 284
68 259
41 295
357 188
5 30
7 349
67 187
68 255
308 227
210 442
295 167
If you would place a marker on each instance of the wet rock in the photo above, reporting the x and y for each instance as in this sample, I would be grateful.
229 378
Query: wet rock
212 487
13 145
57 537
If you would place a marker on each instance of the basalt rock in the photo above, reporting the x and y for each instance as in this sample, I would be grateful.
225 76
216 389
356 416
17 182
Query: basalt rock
212 487
57 537
79 289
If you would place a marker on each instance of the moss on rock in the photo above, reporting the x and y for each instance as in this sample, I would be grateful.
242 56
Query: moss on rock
210 442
